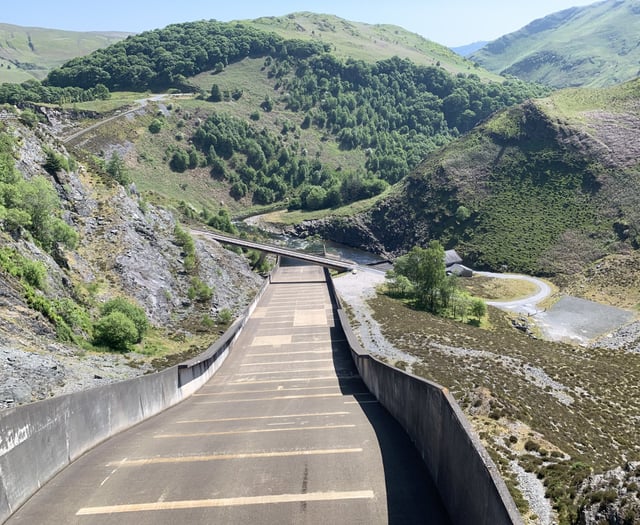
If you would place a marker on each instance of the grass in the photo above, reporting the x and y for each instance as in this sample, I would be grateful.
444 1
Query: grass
493 289
147 160
591 48
118 100
578 402
290 218
368 42
50 48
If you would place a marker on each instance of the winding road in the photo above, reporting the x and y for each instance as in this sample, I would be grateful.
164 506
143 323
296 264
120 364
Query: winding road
140 103
526 305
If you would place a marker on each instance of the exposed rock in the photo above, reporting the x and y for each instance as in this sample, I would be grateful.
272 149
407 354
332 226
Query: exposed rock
122 251
612 497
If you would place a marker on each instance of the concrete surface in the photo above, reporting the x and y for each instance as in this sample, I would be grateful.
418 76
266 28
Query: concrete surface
468 481
285 432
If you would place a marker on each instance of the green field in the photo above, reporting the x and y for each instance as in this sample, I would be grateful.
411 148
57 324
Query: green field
32 51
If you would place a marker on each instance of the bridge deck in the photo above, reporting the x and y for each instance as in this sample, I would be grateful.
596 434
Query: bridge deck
286 432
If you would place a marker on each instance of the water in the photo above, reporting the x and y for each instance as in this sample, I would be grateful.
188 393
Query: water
312 245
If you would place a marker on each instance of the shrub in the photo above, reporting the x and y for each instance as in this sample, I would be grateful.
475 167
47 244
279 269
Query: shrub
224 316
531 446
132 312
155 126
115 331
199 291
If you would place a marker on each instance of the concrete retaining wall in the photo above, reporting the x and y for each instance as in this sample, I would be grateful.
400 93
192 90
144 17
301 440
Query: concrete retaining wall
38 440
468 481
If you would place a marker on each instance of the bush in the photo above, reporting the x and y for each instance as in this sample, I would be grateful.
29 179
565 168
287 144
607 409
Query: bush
132 312
115 331
199 291
224 316
155 126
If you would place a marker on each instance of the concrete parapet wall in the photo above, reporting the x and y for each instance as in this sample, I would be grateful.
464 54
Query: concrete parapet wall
468 481
38 440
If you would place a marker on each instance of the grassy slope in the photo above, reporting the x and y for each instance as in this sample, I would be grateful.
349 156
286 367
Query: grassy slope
512 385
551 186
593 46
50 48
368 42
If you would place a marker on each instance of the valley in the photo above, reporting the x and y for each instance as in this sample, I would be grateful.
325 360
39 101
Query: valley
335 131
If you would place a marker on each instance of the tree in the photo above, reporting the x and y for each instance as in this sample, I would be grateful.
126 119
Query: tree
478 308
316 198
216 93
179 161
425 270
118 170
155 126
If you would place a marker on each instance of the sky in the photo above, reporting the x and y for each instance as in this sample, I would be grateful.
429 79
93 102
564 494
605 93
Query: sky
448 22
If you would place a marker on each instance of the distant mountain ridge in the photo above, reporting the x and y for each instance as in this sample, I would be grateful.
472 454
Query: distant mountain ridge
31 52
592 46
469 49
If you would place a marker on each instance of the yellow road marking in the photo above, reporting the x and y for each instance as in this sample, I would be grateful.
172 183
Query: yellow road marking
329 360
265 354
266 381
289 372
265 391
251 418
219 457
253 431
276 398
227 502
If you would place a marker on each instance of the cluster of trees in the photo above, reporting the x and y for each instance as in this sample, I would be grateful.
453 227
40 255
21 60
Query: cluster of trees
261 163
396 110
421 276
31 205
165 58
37 92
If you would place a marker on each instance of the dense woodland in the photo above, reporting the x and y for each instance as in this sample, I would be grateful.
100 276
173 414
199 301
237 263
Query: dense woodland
394 110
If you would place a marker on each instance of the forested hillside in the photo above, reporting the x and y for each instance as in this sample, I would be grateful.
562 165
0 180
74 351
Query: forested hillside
388 114
590 46
546 187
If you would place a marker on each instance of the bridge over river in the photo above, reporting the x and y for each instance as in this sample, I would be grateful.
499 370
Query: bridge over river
285 432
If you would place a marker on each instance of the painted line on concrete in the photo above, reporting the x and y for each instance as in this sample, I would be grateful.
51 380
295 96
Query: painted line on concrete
289 362
251 431
361 402
267 354
278 398
251 418
226 502
222 457
279 389
288 372
266 381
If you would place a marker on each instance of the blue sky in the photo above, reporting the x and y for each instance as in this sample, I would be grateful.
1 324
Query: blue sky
448 22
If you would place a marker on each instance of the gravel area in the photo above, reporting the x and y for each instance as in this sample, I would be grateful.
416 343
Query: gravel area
33 376
579 320
355 290
533 490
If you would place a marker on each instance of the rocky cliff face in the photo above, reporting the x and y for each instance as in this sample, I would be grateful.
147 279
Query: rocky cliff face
126 248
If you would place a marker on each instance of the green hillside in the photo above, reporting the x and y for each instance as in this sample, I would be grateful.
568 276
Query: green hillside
31 52
368 42
282 122
592 46
546 187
